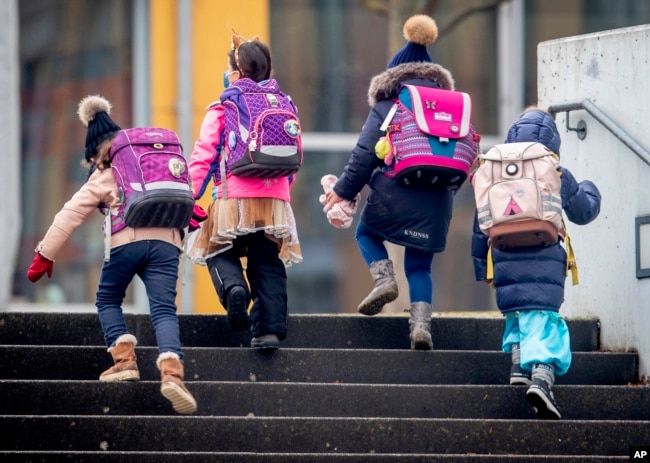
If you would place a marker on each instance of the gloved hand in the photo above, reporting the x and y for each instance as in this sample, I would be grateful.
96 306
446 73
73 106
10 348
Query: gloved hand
341 213
198 216
40 266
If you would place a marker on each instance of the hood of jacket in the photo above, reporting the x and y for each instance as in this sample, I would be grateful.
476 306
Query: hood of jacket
384 85
535 125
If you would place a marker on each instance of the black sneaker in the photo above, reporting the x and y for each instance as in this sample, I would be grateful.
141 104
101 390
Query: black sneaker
237 309
519 377
266 342
540 396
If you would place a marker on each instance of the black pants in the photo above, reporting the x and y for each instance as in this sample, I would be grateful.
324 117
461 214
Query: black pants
267 277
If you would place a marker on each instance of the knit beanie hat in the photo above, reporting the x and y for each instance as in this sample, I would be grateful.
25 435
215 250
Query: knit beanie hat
94 112
420 30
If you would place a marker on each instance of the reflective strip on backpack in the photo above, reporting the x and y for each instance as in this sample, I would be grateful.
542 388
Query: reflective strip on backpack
161 186
484 214
389 118
223 173
108 227
551 203
279 151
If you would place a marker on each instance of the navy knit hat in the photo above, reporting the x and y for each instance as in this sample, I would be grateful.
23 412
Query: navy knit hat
94 112
419 30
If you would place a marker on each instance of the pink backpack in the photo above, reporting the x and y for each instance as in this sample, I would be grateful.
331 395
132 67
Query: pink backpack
430 141
152 178
517 189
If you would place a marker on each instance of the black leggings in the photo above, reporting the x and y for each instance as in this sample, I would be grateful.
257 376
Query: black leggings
266 275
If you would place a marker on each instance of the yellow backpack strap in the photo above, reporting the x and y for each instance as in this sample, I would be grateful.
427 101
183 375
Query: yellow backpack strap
490 264
571 264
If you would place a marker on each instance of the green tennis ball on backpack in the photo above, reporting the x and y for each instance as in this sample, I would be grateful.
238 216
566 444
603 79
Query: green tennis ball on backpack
383 148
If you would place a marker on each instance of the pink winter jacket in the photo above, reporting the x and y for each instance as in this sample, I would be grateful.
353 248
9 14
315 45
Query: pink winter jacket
204 161
99 189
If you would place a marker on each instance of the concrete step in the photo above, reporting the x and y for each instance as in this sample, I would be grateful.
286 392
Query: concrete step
250 457
321 435
305 331
305 399
312 365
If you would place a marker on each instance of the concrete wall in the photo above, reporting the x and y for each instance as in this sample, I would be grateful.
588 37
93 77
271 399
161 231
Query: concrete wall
611 69
10 135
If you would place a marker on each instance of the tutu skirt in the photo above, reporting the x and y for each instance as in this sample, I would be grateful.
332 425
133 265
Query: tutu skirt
233 217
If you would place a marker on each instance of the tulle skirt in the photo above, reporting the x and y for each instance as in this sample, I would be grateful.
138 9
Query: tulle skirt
233 217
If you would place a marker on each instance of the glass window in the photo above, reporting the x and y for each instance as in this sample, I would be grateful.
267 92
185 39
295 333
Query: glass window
324 54
68 49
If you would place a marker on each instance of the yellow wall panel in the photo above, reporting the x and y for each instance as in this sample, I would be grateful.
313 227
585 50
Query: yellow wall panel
164 56
212 25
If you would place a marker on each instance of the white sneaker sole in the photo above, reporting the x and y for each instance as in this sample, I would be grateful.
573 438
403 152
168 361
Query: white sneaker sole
181 401
126 375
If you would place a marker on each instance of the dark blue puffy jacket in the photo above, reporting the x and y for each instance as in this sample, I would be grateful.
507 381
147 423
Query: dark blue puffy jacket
532 278
417 218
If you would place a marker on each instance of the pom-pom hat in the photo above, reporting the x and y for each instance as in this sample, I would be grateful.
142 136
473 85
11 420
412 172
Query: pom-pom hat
419 30
94 111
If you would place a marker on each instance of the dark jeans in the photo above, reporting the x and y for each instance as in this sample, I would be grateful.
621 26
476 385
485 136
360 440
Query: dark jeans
417 264
156 263
267 277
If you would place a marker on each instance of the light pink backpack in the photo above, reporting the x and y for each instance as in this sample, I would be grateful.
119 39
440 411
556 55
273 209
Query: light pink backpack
517 189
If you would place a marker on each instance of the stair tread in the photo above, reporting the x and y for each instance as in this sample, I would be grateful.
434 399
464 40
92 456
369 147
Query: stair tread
342 388
313 365
268 457
345 435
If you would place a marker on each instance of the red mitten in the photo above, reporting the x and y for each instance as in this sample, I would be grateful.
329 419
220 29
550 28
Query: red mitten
198 216
40 266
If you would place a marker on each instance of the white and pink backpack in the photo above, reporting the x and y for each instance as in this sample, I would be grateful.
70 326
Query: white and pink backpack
517 189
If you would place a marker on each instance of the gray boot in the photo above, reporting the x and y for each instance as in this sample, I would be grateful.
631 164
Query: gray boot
420 326
385 289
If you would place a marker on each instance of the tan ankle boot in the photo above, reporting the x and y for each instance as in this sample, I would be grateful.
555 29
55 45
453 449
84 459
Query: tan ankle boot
123 353
385 289
420 326
172 387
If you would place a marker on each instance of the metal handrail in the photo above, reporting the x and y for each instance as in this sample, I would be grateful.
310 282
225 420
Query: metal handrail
601 117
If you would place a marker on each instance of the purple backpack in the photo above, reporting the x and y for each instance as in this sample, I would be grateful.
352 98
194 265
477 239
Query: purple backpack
152 179
262 136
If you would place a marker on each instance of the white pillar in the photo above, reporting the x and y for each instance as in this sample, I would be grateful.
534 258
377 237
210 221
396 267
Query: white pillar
510 58
610 69
10 216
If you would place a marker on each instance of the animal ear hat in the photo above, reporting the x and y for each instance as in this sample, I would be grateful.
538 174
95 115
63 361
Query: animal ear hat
236 40
94 112
419 30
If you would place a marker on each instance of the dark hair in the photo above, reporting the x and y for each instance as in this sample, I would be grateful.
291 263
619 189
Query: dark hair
103 159
252 60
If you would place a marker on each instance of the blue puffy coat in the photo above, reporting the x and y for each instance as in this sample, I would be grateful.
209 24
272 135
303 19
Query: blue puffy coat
418 218
532 278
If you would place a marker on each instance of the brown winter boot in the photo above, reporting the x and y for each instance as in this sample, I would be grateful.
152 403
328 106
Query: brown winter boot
123 353
420 326
385 289
172 387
